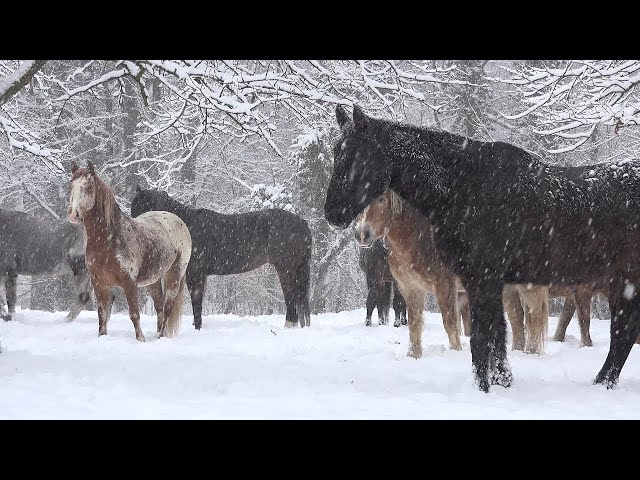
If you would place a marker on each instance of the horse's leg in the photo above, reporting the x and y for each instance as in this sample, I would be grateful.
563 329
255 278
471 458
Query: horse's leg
488 337
157 295
536 302
414 299
372 293
625 326
104 299
463 308
399 307
196 282
3 314
384 302
131 293
82 291
447 295
11 287
583 303
515 314
565 318
287 282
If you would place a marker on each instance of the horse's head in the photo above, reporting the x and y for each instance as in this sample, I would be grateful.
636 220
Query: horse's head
82 188
360 172
375 219
144 201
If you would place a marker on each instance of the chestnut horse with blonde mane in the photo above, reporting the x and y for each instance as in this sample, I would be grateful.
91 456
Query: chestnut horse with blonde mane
151 251
417 267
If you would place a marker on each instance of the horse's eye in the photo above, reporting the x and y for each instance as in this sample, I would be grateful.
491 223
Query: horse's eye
381 200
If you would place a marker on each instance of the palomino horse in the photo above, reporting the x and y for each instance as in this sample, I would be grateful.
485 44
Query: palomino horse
415 263
151 251
500 216
225 244
34 247
373 261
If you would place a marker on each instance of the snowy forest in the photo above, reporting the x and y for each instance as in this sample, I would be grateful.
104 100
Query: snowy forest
235 136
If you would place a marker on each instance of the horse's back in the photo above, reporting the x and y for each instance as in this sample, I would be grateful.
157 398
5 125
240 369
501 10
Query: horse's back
168 227
516 214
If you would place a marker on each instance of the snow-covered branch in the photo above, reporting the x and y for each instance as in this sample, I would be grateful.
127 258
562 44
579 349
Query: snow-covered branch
12 83
569 102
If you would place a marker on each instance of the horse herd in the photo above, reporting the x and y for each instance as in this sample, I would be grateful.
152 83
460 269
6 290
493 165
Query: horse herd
485 226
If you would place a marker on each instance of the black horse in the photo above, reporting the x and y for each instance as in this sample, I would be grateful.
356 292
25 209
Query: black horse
34 247
501 216
380 285
224 244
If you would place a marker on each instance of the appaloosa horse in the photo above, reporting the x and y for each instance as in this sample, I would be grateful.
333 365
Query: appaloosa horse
33 247
501 216
225 244
373 261
150 251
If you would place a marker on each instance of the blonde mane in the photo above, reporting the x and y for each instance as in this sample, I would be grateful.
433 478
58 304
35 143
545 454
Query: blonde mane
397 203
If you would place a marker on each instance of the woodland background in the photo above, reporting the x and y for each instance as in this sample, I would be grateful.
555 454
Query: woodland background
240 135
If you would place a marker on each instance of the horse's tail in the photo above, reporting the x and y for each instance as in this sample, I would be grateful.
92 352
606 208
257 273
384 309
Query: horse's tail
173 313
302 287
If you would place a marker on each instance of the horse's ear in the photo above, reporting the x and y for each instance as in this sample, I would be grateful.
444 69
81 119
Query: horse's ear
360 120
90 167
342 116
74 166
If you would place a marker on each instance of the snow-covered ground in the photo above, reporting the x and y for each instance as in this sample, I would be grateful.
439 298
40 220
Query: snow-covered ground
254 368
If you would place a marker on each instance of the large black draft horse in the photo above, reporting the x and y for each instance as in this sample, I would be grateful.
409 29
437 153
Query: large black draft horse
501 216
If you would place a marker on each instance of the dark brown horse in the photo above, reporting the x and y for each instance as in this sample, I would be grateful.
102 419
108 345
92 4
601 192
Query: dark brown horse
151 251
225 244
501 216
381 286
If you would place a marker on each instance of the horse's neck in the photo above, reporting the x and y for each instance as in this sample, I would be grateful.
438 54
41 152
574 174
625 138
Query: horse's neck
410 223
183 211
420 169
96 227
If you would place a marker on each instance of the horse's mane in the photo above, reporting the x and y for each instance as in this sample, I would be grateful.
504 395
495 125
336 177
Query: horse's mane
163 198
397 203
105 203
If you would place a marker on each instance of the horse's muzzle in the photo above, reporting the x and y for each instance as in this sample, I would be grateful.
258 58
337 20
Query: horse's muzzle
73 217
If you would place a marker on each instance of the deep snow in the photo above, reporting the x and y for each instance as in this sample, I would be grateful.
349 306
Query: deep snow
254 368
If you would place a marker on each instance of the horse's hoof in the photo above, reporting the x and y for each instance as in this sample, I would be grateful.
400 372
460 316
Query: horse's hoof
588 343
606 378
140 338
417 354
367 323
396 324
504 378
290 324
483 384
6 318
